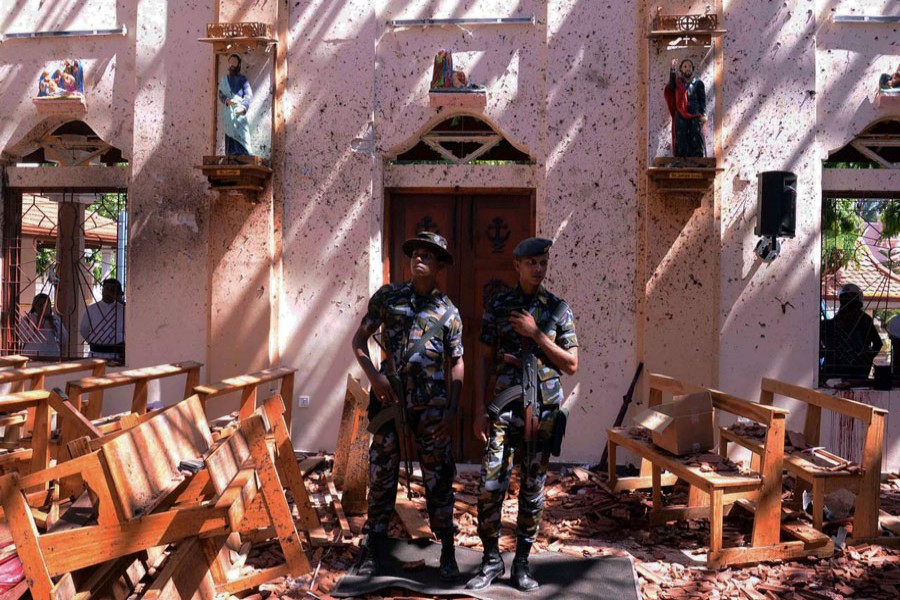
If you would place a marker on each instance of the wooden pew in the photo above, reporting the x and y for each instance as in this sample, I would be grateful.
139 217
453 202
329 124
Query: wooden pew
139 378
143 500
712 492
248 386
13 361
865 482
35 378
282 451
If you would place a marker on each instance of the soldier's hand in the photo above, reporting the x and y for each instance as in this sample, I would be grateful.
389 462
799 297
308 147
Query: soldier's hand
523 324
481 427
383 390
674 63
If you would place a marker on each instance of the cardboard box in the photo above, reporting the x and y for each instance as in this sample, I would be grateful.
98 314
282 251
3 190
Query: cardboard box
683 426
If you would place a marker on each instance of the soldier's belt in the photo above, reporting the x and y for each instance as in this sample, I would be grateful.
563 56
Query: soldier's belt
504 398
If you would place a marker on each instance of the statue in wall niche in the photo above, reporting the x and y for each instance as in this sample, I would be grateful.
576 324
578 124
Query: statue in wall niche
890 84
66 81
444 77
235 94
686 98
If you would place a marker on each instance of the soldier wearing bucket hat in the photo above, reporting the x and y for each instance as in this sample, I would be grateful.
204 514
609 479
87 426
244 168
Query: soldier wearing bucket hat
530 341
432 241
421 332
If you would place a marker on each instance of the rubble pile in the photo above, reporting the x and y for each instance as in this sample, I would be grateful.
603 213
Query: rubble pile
584 518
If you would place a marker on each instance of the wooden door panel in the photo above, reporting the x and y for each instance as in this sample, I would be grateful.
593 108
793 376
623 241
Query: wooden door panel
425 213
499 224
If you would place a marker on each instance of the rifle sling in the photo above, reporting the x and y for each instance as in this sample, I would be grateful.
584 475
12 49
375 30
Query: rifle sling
392 413
429 333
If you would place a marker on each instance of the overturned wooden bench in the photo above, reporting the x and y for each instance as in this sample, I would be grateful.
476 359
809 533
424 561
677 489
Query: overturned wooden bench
820 470
144 498
712 492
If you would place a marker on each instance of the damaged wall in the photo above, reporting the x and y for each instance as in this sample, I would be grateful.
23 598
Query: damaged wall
667 280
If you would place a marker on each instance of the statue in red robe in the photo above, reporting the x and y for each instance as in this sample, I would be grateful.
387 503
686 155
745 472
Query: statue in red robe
686 99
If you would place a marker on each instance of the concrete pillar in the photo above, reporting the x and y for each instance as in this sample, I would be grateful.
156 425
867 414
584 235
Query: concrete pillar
73 280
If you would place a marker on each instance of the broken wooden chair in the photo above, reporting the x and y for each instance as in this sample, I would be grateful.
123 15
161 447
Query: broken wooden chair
248 386
821 470
160 482
711 492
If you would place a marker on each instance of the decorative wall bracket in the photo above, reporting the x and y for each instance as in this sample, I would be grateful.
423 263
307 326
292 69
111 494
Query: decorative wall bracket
684 175
684 31
242 174
66 105
238 37
886 99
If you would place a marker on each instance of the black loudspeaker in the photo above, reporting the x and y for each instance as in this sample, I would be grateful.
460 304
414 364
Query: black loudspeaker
777 204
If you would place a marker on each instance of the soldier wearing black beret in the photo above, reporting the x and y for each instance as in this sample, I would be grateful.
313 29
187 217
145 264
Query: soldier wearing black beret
531 341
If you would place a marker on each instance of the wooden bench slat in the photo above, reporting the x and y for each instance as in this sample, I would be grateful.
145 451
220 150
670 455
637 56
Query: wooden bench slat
673 464
49 370
844 406
91 384
236 384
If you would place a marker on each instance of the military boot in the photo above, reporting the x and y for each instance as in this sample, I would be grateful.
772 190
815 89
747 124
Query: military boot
370 559
492 566
520 574
449 570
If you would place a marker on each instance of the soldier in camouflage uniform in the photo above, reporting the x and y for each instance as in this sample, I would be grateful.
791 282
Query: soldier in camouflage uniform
526 318
406 311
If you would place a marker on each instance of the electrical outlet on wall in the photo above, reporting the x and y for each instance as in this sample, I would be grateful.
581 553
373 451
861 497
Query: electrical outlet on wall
303 401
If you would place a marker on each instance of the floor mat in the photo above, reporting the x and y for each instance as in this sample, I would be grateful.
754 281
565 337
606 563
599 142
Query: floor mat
560 575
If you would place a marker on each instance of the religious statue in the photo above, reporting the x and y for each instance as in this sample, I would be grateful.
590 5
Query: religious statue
235 94
890 84
686 99
66 81
444 77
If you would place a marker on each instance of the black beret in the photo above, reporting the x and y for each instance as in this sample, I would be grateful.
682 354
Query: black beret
532 247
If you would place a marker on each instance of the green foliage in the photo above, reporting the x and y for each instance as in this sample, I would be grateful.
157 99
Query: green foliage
841 227
890 220
108 205
45 258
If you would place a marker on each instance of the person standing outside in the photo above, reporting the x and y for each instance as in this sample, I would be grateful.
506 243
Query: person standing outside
686 99
526 320
103 323
41 332
235 94
422 336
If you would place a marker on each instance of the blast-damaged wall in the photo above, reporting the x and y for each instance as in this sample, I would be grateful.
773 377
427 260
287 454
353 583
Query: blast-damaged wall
670 281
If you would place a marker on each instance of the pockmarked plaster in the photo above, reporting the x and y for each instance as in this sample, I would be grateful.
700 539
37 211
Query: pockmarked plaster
667 280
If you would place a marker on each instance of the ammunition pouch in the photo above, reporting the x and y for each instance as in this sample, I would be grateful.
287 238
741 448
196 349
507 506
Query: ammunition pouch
559 431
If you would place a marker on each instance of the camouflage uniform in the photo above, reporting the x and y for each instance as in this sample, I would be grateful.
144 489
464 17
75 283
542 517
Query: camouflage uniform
507 429
406 316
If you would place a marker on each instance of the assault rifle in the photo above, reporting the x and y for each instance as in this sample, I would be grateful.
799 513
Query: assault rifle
626 401
396 412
